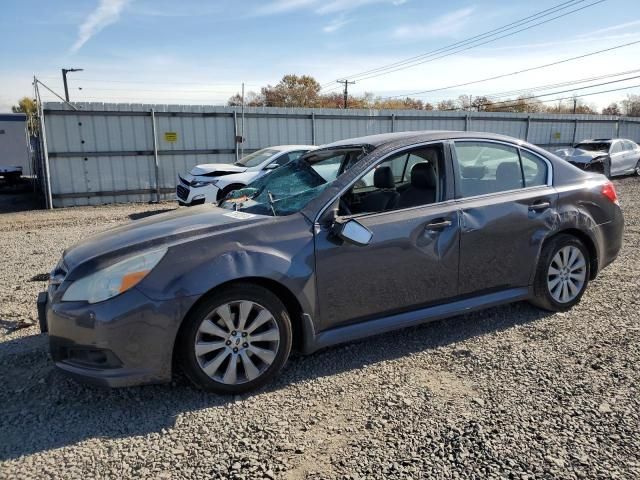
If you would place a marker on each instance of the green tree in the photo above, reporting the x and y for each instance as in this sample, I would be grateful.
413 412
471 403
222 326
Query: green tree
30 107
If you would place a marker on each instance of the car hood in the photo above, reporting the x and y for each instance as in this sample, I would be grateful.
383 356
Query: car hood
155 232
578 155
211 168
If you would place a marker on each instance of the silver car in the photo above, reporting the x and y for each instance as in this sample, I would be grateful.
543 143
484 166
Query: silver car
612 157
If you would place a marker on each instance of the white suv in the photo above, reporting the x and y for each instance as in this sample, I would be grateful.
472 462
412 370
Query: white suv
209 182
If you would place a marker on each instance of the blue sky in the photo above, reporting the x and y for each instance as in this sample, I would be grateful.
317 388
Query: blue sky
167 51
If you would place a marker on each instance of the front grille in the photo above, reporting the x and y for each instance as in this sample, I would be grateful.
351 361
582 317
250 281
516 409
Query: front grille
182 192
183 180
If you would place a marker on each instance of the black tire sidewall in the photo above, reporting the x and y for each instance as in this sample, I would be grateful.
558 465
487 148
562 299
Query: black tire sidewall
542 296
255 293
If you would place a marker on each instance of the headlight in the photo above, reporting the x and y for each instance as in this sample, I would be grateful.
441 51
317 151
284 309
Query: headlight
202 183
113 280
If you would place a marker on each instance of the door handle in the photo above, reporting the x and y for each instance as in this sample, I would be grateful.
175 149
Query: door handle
539 206
439 224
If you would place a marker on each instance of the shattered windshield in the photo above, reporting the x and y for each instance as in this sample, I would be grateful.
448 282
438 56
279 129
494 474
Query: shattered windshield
256 158
594 146
289 188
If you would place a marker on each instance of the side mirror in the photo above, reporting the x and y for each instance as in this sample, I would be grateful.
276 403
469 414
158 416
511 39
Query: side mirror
354 232
271 166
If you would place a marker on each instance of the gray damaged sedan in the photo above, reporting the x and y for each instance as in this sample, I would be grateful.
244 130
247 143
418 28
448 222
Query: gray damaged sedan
357 238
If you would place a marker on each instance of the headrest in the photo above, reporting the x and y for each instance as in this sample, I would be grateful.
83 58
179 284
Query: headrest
423 175
508 173
383 178
473 172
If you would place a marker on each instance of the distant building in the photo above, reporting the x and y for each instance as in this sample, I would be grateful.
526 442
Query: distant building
14 150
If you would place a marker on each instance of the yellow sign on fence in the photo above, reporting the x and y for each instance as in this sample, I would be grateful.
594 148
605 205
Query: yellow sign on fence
171 136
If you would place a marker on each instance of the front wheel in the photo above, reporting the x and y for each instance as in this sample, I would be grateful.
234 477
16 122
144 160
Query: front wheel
562 274
236 341
638 168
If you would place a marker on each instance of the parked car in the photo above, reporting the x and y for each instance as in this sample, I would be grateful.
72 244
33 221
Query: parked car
396 230
209 182
609 156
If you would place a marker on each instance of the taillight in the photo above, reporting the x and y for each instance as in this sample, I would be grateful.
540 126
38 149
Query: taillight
609 191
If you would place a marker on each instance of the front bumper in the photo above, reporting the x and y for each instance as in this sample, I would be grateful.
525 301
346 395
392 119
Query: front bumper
124 341
188 195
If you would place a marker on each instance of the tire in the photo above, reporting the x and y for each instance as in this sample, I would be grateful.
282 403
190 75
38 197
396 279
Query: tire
239 362
228 189
546 283
637 171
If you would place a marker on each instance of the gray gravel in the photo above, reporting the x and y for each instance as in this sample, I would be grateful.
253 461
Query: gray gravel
511 392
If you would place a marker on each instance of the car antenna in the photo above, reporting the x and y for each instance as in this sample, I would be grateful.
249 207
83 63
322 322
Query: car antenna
271 200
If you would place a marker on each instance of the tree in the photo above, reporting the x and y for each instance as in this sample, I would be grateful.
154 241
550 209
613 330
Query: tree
446 105
612 109
292 91
631 106
29 107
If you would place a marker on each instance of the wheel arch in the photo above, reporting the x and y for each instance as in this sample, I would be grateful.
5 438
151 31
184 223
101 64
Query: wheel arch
281 291
227 188
587 241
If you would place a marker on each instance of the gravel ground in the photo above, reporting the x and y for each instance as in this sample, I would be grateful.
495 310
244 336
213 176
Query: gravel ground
510 392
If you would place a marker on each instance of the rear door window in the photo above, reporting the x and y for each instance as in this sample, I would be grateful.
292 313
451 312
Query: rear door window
485 167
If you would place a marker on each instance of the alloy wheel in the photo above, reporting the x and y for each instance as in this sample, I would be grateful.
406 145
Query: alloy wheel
567 274
237 342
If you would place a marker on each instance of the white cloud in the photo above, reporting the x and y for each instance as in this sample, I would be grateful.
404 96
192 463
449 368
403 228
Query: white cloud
335 25
107 12
620 26
320 7
444 26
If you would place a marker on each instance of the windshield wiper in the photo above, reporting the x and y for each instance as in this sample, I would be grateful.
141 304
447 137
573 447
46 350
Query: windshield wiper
271 202
239 164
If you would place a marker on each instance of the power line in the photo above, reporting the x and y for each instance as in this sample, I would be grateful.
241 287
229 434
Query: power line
517 72
464 41
557 85
564 98
557 93
202 84
472 42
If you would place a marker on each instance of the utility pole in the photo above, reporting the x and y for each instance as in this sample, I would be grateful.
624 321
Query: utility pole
575 105
346 90
64 80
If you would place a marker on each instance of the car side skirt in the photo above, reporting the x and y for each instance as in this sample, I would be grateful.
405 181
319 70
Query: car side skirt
349 333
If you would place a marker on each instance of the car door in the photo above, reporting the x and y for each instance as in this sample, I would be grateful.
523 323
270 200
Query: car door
617 158
507 205
411 260
630 156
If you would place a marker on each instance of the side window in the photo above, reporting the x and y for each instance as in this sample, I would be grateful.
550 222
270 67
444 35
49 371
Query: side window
405 180
296 155
534 169
281 160
396 164
616 147
628 146
487 168
328 169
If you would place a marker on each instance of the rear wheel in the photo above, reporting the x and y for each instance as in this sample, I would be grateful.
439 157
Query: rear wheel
638 168
562 274
236 341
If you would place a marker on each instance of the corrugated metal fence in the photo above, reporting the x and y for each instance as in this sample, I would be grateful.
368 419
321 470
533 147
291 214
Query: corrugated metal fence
106 153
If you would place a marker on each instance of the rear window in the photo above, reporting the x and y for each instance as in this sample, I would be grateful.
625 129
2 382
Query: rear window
594 146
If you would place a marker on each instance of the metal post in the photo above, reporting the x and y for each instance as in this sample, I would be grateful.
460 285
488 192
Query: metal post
618 127
64 82
45 153
235 132
466 122
313 128
575 131
393 122
242 125
526 132
155 153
